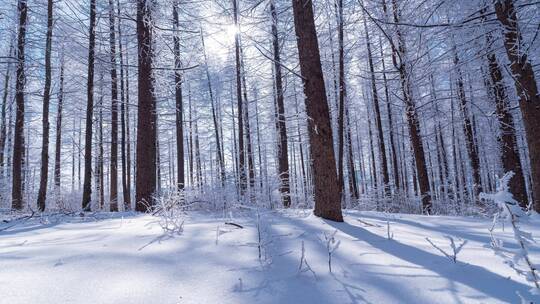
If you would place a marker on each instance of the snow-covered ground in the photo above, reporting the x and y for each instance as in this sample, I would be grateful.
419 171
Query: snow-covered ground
126 258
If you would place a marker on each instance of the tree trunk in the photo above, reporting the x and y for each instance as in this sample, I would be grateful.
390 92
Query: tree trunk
468 131
87 187
44 172
327 190
146 118
58 141
123 121
283 149
377 112
395 165
3 128
526 86
18 143
178 100
342 96
241 151
114 112
412 116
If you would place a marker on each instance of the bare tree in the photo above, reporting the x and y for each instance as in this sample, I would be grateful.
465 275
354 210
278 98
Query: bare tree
146 119
87 186
18 143
327 191
526 86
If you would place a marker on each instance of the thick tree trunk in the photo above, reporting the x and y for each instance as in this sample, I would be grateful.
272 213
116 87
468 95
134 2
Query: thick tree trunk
327 190
283 149
526 86
87 187
146 118
18 143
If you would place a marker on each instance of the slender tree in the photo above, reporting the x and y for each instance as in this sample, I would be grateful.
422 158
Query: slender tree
178 99
114 111
283 157
58 141
87 187
18 142
42 195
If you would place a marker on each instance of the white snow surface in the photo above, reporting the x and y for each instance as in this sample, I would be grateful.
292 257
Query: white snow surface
126 258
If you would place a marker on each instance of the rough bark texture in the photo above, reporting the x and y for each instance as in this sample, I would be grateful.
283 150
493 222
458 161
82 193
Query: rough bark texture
146 119
326 186
87 185
526 86
283 148
18 142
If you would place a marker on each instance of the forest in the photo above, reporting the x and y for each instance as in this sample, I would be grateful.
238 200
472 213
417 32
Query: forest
277 151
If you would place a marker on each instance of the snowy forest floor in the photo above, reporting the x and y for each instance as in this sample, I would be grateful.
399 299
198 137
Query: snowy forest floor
127 258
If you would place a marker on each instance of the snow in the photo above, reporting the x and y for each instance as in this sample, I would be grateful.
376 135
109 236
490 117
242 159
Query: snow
127 258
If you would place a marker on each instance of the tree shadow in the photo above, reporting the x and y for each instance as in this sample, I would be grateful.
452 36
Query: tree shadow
475 277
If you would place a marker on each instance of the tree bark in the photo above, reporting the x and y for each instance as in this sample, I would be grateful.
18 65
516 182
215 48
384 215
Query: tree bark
3 128
44 172
126 195
58 141
114 112
87 187
18 142
412 116
327 191
526 86
240 114
146 118
283 148
179 111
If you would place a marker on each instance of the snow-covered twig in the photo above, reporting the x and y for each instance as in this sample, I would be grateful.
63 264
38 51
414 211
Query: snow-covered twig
455 249
509 209
304 266
331 246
